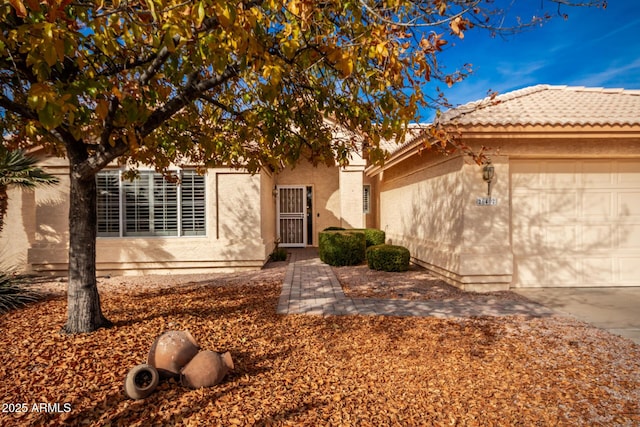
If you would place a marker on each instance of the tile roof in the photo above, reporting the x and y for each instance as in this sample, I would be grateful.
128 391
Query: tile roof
537 105
413 132
551 105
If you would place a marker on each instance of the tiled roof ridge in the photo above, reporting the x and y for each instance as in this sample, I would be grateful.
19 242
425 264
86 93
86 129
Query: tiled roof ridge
487 101
473 106
615 90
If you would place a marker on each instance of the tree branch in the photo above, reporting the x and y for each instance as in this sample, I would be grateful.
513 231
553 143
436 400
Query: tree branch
192 91
237 114
413 23
157 62
105 154
108 121
17 108
107 151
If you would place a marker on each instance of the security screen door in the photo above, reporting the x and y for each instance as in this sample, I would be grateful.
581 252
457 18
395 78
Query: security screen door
292 216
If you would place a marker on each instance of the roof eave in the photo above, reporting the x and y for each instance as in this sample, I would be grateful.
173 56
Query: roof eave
538 131
404 152
559 130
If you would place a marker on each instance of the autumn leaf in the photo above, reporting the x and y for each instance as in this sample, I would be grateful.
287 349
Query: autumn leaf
456 27
315 370
102 109
19 7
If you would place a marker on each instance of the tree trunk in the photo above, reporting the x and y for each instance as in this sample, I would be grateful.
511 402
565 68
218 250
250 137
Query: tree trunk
83 301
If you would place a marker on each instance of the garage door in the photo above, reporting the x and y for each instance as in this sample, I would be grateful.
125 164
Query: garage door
575 223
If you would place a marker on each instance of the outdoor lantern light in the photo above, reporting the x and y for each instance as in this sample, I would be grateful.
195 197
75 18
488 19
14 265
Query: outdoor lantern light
274 192
488 172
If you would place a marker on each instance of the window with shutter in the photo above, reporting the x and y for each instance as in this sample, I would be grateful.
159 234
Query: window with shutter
150 205
137 206
164 207
193 204
108 203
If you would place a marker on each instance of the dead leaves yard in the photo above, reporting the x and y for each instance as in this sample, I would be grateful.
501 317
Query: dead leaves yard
312 370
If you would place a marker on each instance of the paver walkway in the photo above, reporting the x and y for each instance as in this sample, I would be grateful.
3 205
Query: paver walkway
311 287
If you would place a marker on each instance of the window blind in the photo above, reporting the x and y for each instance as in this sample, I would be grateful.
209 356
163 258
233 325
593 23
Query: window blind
108 203
150 205
193 204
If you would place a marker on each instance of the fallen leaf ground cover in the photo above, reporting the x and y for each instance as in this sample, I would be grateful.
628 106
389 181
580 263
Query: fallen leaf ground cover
312 370
415 284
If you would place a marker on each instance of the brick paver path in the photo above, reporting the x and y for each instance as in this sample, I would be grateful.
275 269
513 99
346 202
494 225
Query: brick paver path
311 287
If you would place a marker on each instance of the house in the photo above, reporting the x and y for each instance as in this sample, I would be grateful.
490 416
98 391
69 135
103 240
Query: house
563 208
223 220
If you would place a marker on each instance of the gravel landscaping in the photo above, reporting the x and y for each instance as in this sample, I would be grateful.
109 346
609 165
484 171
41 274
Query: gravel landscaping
313 370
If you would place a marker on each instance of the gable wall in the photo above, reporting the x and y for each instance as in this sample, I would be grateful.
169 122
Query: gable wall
428 204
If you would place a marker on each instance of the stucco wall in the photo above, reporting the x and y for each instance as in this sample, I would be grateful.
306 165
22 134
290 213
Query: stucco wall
428 204
18 230
326 192
49 235
268 212
351 209
233 240
337 193
371 219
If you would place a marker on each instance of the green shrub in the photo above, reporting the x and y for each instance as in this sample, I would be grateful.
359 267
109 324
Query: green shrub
14 294
342 247
333 228
373 236
388 258
278 254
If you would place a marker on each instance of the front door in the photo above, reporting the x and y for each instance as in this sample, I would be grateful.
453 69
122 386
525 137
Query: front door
292 215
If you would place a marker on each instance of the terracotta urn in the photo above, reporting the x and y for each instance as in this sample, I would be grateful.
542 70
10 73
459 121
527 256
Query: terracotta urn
206 369
141 381
171 351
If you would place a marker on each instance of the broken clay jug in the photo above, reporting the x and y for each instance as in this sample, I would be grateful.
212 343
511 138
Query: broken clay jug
171 351
206 369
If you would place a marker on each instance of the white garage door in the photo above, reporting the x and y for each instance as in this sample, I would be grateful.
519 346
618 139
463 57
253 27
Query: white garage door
575 223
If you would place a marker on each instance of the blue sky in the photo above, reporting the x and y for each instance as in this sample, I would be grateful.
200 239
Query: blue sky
595 47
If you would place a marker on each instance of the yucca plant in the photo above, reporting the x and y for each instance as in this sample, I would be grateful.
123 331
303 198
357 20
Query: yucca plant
14 293
20 170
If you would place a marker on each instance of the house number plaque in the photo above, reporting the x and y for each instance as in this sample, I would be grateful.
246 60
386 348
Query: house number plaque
486 201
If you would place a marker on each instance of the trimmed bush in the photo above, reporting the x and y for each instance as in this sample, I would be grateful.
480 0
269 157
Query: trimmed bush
388 258
278 254
373 236
342 247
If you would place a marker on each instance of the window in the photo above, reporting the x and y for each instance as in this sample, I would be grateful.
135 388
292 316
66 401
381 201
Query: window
150 206
366 199
108 203
193 203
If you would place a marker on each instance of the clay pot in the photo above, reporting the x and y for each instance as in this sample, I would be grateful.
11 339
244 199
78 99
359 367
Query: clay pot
141 381
171 351
206 369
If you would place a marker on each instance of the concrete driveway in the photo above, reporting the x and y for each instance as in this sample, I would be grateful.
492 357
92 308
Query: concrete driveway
614 309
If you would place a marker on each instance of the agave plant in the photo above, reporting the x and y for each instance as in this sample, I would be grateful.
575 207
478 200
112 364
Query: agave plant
19 169
14 294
